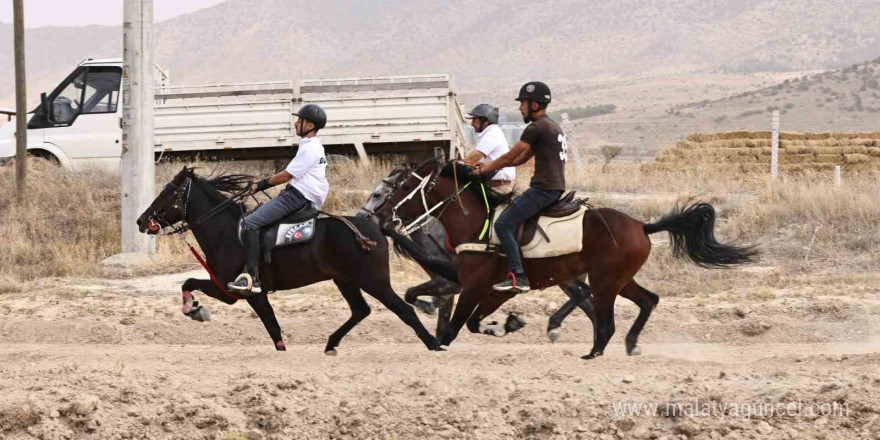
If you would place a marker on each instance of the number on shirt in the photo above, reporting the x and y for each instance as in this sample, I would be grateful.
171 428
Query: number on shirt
563 155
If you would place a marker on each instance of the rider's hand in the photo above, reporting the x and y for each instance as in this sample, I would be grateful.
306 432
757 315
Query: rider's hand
478 168
253 187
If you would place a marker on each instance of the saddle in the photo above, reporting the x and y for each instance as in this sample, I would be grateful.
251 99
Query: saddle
555 230
563 207
297 228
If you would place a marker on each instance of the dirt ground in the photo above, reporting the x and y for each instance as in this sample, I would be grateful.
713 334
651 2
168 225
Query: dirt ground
115 359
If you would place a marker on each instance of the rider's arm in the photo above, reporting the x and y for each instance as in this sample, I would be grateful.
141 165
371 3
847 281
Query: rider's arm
474 157
513 157
524 157
278 179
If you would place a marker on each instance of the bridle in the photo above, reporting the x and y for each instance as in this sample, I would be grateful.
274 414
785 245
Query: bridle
425 186
180 201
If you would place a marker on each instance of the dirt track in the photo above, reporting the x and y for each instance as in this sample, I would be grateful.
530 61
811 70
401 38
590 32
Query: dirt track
116 359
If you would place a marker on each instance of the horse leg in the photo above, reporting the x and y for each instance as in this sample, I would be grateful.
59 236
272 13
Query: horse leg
578 294
444 313
191 307
468 300
435 287
382 291
647 301
603 302
263 308
359 310
490 304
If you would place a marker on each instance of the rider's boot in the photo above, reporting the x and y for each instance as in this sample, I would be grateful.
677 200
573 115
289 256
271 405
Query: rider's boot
514 283
249 281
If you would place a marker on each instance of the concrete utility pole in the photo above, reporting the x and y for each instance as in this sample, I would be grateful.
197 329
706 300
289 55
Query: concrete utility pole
138 174
20 99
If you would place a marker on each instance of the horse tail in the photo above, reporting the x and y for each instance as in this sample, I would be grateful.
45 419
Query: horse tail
407 248
692 233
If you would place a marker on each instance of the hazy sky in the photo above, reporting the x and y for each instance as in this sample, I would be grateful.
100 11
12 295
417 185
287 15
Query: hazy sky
39 13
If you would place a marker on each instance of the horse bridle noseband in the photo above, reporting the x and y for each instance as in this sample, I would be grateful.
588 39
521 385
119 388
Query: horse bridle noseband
179 202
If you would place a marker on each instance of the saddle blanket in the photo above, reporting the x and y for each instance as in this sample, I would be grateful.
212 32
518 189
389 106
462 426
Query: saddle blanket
566 236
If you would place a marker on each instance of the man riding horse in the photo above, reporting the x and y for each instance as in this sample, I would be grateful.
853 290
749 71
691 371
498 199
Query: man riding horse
306 174
544 140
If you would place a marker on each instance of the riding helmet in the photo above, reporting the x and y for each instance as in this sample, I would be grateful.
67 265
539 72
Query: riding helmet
535 91
314 114
487 111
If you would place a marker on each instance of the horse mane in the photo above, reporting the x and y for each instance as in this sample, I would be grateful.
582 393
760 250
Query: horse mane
219 188
465 175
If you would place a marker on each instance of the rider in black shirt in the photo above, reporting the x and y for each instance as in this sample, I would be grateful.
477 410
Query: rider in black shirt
545 141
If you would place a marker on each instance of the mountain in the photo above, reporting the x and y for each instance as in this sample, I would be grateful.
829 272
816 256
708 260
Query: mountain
488 44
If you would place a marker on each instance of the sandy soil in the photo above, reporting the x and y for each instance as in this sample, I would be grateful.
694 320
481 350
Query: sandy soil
115 359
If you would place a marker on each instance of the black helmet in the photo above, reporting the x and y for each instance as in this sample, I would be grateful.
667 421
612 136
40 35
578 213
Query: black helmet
487 111
535 91
314 114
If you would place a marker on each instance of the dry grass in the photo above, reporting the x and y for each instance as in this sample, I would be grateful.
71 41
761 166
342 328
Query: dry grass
809 230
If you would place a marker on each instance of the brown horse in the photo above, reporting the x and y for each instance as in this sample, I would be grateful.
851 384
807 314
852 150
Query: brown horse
615 246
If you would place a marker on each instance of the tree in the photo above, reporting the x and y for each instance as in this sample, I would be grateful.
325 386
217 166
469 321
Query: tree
609 152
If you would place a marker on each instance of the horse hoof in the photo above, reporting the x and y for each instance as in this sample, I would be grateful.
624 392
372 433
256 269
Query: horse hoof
439 348
553 335
443 348
200 314
514 323
330 352
635 351
425 306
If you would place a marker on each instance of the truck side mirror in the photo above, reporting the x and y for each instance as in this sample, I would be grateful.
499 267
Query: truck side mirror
46 106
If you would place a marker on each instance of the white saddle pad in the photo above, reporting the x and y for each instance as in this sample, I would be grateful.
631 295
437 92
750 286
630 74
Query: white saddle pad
566 235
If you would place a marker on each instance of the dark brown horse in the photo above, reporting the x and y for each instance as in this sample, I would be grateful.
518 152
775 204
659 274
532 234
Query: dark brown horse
615 246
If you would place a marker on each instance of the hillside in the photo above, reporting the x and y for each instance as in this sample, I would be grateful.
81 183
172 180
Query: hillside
844 100
487 45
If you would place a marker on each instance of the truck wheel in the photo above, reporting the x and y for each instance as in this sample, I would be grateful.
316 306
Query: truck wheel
45 155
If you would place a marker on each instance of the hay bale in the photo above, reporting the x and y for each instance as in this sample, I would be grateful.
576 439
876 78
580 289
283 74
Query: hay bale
873 152
817 136
795 158
791 136
687 145
761 135
829 158
754 167
856 158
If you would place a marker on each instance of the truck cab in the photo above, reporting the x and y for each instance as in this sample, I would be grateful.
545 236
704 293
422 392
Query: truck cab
78 121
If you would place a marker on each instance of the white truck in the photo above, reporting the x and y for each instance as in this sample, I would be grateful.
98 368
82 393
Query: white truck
79 122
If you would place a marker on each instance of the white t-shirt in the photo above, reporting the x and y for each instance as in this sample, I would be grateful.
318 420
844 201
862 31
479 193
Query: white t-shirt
493 145
309 171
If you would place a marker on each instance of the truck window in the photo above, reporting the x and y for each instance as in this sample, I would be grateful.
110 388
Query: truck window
102 90
67 103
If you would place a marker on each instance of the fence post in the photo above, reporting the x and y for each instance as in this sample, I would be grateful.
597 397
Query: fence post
837 178
774 151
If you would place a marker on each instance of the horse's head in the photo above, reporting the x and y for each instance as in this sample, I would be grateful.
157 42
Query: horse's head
379 197
169 207
410 196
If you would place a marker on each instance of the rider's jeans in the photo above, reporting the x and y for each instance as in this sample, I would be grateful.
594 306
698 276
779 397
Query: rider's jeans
287 202
523 208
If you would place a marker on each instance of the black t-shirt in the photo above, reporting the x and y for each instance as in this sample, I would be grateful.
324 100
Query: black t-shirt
548 143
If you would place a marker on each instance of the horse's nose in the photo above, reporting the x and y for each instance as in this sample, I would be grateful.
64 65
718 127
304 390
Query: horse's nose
141 224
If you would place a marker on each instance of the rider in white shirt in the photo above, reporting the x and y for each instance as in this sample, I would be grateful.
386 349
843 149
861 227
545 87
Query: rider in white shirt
307 186
491 145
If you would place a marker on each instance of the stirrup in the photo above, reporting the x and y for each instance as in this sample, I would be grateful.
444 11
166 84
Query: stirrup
245 283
